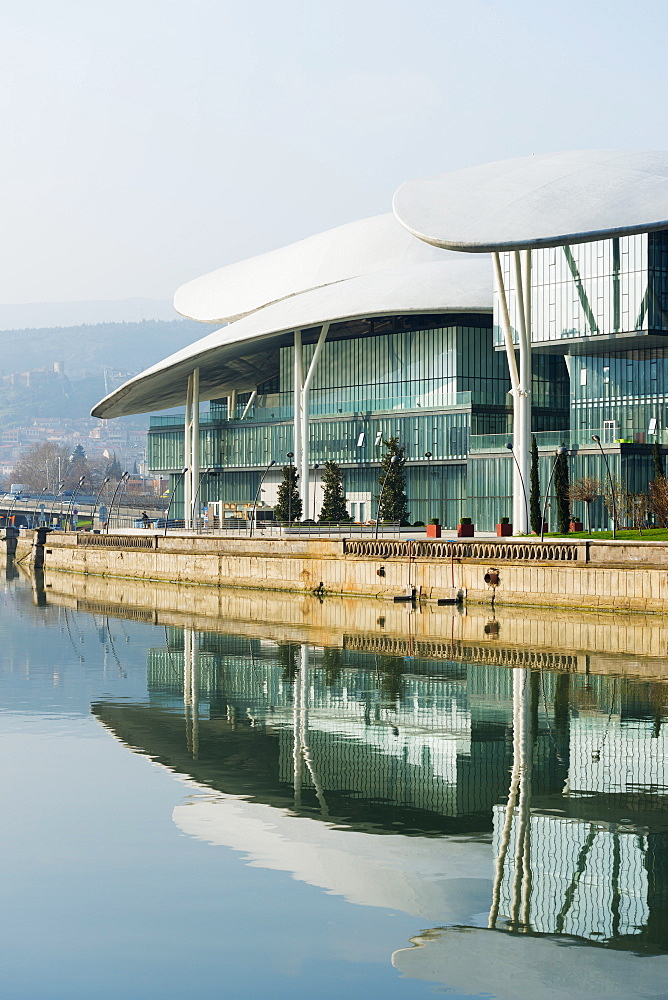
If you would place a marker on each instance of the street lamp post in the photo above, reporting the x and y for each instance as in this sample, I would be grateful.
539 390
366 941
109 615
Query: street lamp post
524 489
257 495
70 506
121 482
171 497
97 500
393 461
428 456
561 450
207 472
597 439
60 488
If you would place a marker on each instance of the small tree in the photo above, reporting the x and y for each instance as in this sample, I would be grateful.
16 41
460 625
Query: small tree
289 506
114 470
657 458
562 492
615 497
535 514
585 491
637 509
333 510
658 499
393 504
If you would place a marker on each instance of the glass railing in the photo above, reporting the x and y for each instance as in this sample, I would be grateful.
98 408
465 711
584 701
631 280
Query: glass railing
576 438
324 403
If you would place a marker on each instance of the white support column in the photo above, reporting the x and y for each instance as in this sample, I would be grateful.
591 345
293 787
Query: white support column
519 506
522 434
232 404
297 399
253 397
194 447
305 486
187 454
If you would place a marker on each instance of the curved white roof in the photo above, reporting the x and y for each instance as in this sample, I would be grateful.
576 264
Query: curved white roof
367 246
237 356
538 201
432 878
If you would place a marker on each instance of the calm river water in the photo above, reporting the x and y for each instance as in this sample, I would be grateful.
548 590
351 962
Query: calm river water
216 812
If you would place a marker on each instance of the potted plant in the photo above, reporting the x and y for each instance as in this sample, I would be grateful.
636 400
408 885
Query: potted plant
576 526
434 528
504 528
465 528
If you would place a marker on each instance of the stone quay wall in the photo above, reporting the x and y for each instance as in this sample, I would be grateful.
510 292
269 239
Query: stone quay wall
579 573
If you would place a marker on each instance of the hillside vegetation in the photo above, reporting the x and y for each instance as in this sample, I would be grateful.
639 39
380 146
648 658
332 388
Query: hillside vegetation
84 352
88 350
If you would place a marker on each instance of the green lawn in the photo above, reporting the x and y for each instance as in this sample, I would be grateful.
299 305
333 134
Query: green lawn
624 534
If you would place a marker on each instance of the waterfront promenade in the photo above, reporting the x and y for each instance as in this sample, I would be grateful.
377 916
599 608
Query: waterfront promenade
581 573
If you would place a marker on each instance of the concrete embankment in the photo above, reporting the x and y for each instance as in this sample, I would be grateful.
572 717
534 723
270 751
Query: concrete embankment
600 642
579 573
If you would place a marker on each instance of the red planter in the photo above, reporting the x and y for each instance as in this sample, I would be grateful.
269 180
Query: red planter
504 530
576 526
465 530
433 531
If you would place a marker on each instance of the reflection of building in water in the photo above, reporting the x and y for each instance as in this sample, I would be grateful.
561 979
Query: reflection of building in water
602 876
431 738
377 744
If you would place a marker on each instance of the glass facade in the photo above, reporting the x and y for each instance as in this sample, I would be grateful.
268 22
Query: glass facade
441 385
600 289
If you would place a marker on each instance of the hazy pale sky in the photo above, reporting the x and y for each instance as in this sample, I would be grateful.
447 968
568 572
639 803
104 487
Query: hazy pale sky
149 141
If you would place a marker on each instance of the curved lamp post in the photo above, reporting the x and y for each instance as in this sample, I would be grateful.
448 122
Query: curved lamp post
428 456
34 514
393 461
121 482
250 534
524 489
597 439
171 497
561 450
61 487
211 471
97 500
70 506
11 509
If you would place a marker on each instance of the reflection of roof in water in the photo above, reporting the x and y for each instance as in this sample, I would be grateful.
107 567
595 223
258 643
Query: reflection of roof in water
422 878
512 966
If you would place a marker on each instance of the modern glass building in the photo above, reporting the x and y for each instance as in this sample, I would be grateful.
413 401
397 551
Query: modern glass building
380 330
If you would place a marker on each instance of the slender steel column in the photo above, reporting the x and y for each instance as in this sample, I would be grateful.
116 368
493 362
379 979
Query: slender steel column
253 397
187 454
232 405
297 398
306 499
523 436
194 447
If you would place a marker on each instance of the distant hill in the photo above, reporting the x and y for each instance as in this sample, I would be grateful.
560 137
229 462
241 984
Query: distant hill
89 349
39 315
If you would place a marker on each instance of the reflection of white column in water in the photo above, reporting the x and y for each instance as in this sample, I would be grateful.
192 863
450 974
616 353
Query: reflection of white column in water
520 780
194 692
191 689
522 859
303 736
296 750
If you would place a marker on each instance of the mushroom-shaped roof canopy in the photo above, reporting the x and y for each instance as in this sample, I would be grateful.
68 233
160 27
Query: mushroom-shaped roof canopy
243 354
367 246
538 201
